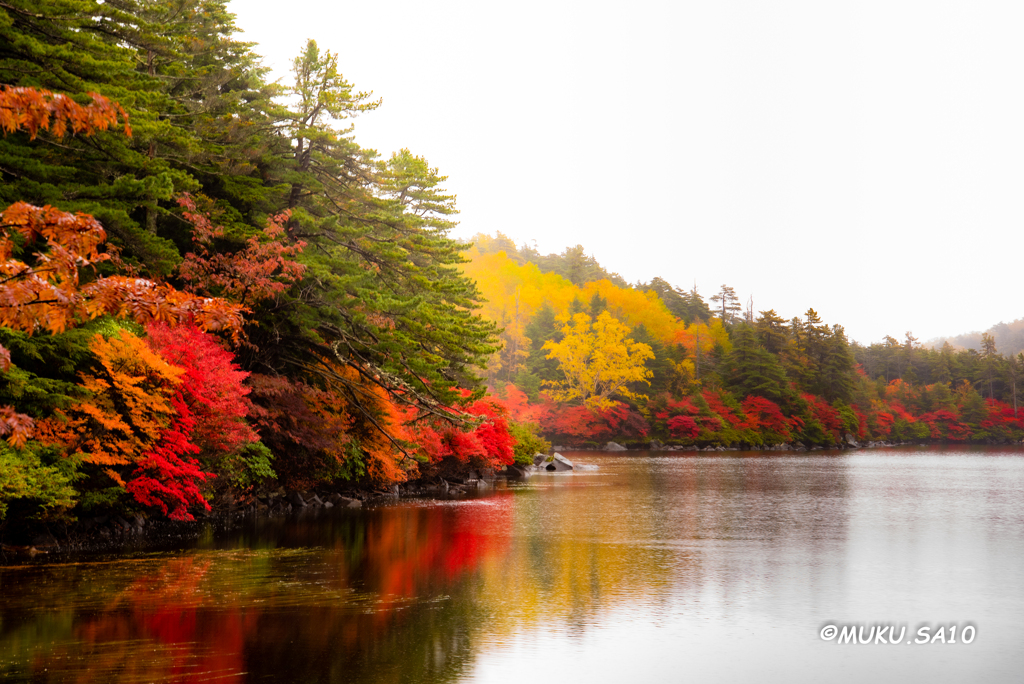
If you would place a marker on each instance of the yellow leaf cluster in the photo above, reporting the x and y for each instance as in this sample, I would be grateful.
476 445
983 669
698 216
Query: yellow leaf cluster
598 361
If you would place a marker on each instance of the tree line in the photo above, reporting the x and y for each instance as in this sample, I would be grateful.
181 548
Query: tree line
652 363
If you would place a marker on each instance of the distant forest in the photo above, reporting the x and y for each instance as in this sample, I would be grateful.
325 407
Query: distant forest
1008 337
588 357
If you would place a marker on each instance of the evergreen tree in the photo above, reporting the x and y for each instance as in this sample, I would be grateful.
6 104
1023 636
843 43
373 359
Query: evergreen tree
749 369
771 331
541 328
675 301
727 304
696 307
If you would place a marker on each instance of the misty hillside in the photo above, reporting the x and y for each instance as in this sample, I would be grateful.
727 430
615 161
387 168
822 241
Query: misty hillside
1009 338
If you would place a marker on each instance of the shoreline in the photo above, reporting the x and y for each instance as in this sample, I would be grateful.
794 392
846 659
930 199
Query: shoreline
123 533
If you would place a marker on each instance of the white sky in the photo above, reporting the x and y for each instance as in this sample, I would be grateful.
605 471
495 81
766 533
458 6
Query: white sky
863 158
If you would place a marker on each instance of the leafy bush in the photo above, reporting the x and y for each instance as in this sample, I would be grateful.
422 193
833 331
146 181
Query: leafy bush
46 489
527 442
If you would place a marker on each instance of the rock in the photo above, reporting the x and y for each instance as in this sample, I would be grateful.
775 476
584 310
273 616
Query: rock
314 501
351 503
328 504
335 498
516 472
295 499
558 463
613 446
558 448
539 458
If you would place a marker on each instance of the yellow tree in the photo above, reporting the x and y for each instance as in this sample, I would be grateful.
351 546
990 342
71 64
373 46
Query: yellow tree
598 361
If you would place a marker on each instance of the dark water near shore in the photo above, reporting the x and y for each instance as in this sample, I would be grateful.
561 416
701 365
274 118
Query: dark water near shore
639 567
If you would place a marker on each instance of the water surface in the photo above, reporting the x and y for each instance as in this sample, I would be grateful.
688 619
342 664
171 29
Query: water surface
638 567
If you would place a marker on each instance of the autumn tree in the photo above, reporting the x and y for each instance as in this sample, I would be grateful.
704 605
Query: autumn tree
54 288
127 406
597 360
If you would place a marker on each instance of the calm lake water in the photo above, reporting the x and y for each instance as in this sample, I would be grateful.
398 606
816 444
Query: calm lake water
647 567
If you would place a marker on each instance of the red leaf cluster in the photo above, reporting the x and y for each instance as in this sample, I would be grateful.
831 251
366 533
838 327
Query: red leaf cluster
167 476
211 388
263 269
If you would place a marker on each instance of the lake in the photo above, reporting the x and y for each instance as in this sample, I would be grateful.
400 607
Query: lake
651 567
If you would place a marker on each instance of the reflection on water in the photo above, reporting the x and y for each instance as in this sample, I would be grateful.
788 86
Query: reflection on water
649 567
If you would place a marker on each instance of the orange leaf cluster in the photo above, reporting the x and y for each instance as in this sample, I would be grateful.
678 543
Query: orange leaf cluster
48 294
260 271
33 110
128 408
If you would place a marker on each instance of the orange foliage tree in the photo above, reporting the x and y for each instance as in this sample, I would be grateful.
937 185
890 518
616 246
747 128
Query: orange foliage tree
55 287
127 409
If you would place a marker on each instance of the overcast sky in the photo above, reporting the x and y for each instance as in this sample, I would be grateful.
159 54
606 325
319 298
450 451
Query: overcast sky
862 158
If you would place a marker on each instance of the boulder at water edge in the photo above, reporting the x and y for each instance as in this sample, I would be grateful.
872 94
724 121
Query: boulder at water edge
558 463
613 446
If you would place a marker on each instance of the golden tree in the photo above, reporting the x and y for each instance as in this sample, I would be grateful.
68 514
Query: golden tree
598 360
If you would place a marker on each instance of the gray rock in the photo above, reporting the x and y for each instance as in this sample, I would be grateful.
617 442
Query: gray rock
328 504
352 503
315 501
558 463
516 472
612 446
539 458
295 499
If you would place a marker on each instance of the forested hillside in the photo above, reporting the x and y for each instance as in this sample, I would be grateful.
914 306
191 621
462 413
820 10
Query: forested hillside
595 360
210 286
